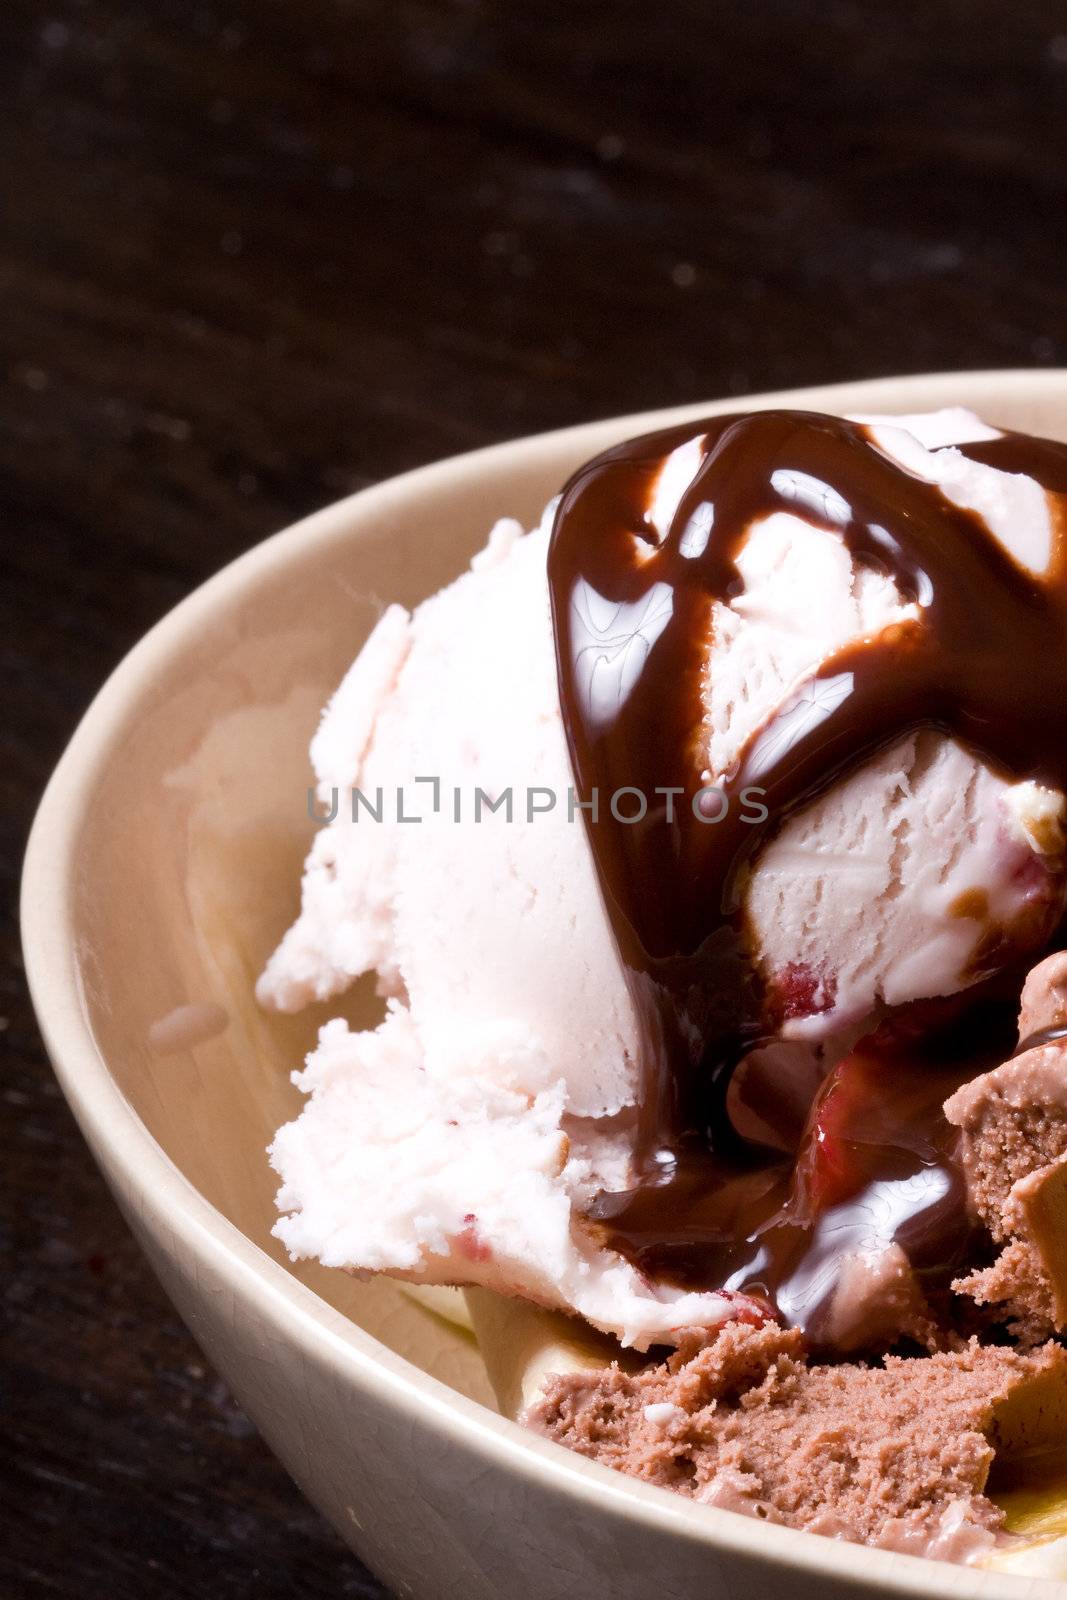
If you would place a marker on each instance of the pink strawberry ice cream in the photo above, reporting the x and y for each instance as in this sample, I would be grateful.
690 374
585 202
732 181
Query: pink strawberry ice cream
466 1137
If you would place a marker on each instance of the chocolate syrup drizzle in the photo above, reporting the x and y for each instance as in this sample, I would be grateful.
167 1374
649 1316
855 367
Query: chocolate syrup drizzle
985 662
1043 1036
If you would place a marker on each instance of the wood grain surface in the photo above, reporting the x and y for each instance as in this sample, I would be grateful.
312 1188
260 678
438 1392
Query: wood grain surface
256 253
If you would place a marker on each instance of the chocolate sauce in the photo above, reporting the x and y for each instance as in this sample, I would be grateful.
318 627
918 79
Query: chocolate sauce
984 663
1034 1041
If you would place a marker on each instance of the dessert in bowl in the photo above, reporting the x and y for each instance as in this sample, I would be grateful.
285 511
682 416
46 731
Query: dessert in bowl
164 870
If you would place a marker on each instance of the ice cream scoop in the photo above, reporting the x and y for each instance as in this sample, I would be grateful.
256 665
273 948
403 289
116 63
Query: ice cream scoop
512 1114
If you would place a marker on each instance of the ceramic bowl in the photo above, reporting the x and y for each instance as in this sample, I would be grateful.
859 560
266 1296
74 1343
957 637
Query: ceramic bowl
163 866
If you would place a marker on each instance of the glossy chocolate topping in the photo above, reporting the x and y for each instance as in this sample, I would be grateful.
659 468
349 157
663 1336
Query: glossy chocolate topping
984 662
1043 1036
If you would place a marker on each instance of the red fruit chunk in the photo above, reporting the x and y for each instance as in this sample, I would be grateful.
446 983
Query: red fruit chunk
800 990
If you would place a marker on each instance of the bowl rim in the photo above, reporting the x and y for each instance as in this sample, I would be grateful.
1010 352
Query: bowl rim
151 1183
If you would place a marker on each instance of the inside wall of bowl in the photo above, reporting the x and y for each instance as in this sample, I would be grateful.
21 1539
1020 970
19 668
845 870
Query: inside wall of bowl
189 863
193 838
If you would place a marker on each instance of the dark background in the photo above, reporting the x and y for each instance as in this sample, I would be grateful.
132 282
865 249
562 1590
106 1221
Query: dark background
257 253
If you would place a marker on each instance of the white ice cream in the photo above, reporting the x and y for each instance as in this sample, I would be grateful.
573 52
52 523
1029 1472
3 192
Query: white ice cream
456 1142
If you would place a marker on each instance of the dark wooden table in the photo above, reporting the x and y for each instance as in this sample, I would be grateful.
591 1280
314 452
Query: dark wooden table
257 253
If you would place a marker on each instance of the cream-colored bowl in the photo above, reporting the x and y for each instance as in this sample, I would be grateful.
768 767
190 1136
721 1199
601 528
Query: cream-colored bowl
163 866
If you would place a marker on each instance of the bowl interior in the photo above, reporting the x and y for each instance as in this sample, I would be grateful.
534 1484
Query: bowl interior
195 821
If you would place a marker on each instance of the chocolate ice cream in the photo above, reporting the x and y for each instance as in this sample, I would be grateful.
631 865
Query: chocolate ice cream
895 1455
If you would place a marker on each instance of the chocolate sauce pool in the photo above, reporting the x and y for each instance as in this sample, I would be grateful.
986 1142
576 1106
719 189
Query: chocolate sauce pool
984 663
